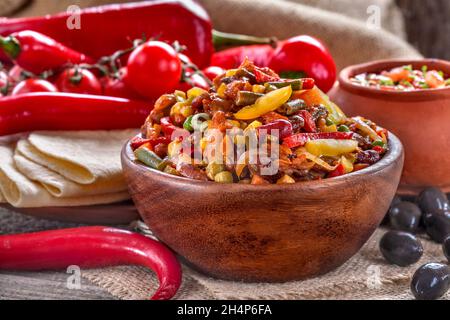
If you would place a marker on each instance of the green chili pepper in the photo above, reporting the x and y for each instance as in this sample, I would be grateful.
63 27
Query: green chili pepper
188 124
343 128
245 98
148 157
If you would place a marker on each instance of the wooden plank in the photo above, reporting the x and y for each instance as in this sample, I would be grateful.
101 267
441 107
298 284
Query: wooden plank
46 286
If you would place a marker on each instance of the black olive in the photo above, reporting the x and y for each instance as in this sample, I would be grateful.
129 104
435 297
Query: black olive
446 248
433 200
401 248
405 216
437 225
395 200
368 156
431 281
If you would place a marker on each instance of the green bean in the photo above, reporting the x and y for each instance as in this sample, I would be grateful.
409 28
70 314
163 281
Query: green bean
292 107
296 84
245 98
148 157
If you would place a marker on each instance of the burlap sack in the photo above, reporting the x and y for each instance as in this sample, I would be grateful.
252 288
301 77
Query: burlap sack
365 276
350 41
348 36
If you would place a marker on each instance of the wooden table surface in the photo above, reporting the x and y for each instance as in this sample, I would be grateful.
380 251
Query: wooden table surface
46 286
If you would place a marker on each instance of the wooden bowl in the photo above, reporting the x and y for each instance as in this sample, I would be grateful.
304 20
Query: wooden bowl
271 233
418 118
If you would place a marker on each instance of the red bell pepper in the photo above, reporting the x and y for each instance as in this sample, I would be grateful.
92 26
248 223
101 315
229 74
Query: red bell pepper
167 126
300 139
37 53
310 125
91 247
301 55
107 29
171 131
68 111
284 128
339 171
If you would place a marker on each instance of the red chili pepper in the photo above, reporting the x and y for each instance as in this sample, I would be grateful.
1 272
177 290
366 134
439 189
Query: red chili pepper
280 126
339 171
136 142
37 53
107 29
68 111
167 126
292 58
300 139
379 149
91 247
310 125
262 77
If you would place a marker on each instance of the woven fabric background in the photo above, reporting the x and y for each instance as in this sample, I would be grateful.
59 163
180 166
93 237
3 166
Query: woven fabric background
365 276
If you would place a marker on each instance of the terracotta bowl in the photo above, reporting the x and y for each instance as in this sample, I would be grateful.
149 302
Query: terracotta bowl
271 233
418 118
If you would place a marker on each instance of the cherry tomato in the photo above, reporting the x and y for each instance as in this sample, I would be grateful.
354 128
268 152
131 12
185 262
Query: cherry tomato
33 85
154 68
116 87
213 72
78 80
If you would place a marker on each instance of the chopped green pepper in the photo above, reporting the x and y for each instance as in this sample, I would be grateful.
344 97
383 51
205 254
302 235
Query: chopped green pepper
188 124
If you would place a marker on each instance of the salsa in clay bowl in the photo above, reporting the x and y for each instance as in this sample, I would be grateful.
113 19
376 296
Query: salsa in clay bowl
410 98
261 178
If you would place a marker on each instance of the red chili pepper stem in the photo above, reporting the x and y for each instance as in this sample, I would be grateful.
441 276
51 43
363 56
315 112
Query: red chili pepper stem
10 46
91 247
223 39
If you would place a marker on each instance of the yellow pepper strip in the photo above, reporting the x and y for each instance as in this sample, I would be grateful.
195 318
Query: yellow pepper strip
221 90
347 164
257 88
285 180
270 102
231 72
242 163
331 147
195 92
253 125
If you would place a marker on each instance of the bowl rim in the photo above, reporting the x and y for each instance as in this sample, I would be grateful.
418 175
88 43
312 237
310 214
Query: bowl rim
379 65
394 152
